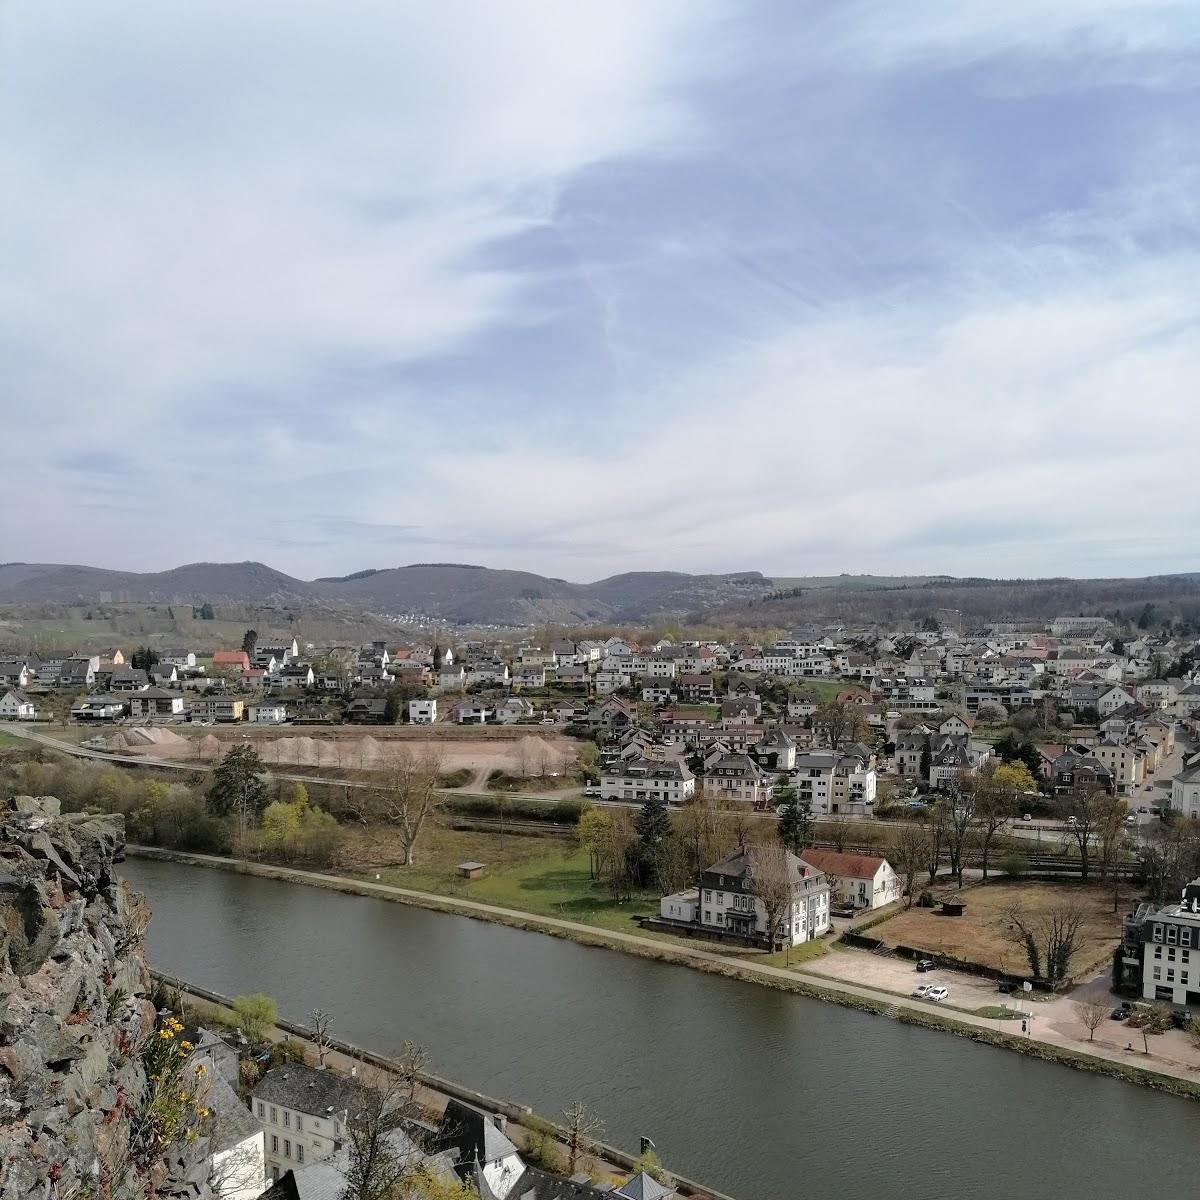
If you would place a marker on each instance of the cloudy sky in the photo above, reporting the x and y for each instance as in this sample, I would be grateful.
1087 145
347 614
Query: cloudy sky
807 286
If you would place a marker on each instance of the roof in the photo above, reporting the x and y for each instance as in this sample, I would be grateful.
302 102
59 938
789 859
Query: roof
230 656
642 1187
306 1089
845 866
739 865
473 1134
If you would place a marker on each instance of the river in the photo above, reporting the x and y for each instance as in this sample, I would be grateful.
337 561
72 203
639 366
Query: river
760 1093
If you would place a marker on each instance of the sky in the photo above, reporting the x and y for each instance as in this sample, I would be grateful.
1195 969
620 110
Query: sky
806 287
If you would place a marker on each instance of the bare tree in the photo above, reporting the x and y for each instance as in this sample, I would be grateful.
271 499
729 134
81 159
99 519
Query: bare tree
772 885
321 1021
1092 1014
838 830
933 823
411 1066
409 798
377 1168
909 853
958 817
842 723
1087 810
704 827
995 803
1110 834
582 1126
1050 939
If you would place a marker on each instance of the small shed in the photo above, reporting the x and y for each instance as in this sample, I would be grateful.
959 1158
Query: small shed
953 908
470 870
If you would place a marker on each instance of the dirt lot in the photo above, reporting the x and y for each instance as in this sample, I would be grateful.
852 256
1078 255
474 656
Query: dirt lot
977 936
523 752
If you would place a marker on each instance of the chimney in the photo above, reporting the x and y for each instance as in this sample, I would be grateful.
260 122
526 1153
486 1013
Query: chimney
500 1121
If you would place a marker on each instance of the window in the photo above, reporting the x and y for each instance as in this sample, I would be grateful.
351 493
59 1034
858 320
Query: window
299 1152
1158 936
1170 975
274 1144
1172 934
274 1115
1185 937
299 1123
1158 972
1158 952
287 1119
1171 954
287 1148
262 1111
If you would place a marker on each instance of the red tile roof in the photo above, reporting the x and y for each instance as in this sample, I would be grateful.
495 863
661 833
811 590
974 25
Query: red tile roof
844 866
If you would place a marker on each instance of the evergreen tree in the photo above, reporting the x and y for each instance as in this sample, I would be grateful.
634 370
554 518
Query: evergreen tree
653 827
237 785
206 612
926 761
795 823
391 709
249 641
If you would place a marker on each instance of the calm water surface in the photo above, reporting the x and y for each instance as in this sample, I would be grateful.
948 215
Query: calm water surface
762 1094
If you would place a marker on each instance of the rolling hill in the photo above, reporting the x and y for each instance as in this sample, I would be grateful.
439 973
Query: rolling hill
457 593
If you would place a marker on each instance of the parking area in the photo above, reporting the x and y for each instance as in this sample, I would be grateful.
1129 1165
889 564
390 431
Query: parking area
899 975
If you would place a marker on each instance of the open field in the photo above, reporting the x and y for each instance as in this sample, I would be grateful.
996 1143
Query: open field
547 876
978 935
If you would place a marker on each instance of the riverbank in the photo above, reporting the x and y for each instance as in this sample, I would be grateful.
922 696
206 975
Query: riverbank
435 1091
1168 1077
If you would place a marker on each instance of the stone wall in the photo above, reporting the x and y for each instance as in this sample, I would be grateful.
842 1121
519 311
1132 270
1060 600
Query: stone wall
74 1015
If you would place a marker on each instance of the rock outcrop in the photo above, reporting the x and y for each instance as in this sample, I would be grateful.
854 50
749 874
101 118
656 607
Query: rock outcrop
75 1013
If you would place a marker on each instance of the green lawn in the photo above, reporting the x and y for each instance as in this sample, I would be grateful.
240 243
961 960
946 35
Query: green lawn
994 1012
547 877
797 954
11 739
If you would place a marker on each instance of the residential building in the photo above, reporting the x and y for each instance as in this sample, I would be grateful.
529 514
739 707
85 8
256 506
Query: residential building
365 710
303 1111
179 658
1125 761
644 779
219 708
98 708
1160 950
739 779
16 706
15 673
231 660
300 675
728 902
269 712
857 880
156 702
422 712
1185 789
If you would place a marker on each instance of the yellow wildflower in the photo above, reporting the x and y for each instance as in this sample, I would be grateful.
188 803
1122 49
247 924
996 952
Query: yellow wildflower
202 1113
199 1068
186 1046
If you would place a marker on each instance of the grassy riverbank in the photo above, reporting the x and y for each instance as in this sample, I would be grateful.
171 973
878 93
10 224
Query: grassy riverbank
703 958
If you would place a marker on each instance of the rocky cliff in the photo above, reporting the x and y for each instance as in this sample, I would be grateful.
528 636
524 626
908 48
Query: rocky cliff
79 1119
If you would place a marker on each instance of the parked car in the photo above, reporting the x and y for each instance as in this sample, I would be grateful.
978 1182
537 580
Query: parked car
925 964
1131 819
1005 988
1027 817
1181 1018
922 990
937 994
1071 822
1120 1013
591 789
1144 809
